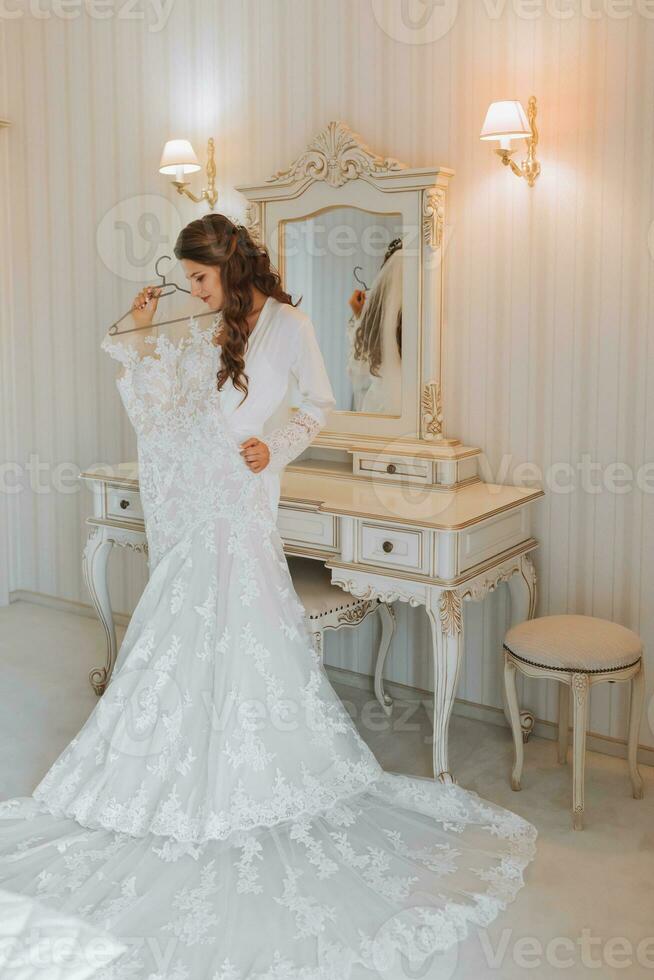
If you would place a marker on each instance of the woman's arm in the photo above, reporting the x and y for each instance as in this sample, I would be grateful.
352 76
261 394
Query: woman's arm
317 400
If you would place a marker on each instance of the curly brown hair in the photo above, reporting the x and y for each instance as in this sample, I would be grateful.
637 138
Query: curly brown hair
244 265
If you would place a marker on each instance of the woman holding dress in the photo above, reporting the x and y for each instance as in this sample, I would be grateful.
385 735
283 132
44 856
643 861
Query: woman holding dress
266 344
219 815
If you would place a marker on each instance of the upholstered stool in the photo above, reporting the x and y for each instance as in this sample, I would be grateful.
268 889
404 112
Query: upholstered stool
329 607
577 651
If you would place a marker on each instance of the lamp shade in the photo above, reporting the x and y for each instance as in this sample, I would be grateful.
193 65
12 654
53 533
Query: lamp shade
176 154
505 121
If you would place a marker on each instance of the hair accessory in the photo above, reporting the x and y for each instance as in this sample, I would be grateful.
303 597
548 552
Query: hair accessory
393 247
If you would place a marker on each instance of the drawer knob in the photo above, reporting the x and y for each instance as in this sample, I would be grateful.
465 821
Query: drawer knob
391 468
124 504
387 546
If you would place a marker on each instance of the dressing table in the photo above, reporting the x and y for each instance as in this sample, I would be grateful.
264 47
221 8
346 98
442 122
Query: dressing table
393 506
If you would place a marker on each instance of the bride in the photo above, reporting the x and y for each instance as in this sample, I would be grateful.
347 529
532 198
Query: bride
218 815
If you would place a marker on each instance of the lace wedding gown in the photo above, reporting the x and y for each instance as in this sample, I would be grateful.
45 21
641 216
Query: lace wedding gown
218 814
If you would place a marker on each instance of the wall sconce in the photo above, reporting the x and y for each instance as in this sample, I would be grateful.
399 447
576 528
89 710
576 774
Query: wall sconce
506 121
179 158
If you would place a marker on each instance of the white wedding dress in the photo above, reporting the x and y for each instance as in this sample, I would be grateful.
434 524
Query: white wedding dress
218 814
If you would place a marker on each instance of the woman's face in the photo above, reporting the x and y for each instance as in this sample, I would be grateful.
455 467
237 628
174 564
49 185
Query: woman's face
205 282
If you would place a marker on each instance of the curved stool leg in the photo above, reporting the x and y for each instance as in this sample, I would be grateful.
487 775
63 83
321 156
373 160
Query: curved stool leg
514 716
387 615
635 712
564 719
580 687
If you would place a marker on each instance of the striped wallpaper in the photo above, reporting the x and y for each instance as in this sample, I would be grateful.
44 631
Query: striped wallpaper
549 357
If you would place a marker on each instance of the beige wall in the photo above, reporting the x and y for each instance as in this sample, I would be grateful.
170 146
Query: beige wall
549 290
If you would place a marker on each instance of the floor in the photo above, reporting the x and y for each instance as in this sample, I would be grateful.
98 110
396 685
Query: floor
588 908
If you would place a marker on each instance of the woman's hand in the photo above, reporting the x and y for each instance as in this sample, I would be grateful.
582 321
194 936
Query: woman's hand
144 306
255 453
357 301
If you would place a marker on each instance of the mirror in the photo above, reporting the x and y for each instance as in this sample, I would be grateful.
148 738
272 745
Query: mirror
347 265
335 209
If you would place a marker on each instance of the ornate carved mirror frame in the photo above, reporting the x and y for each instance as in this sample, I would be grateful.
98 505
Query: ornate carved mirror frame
338 169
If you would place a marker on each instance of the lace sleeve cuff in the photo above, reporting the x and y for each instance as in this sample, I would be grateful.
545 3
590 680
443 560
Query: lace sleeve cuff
288 441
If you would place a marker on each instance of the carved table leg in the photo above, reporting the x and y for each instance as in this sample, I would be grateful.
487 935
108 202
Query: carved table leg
444 608
522 588
94 566
387 614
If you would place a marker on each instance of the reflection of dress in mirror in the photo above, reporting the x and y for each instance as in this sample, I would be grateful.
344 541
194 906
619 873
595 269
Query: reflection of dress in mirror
375 358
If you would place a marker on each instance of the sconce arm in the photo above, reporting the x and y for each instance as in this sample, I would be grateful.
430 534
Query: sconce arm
505 156
207 195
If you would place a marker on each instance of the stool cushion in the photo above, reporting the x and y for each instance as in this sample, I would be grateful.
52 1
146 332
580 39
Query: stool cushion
581 644
312 582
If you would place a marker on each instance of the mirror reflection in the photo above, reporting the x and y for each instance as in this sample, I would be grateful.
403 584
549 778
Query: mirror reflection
346 264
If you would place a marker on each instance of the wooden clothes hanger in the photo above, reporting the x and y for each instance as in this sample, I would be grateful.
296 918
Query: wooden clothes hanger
171 287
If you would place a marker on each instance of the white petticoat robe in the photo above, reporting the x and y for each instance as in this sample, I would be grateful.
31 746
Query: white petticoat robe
219 814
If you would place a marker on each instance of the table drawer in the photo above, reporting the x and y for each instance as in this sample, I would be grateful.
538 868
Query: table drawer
124 505
308 527
393 468
392 547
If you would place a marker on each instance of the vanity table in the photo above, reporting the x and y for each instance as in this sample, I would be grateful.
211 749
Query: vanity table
391 505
